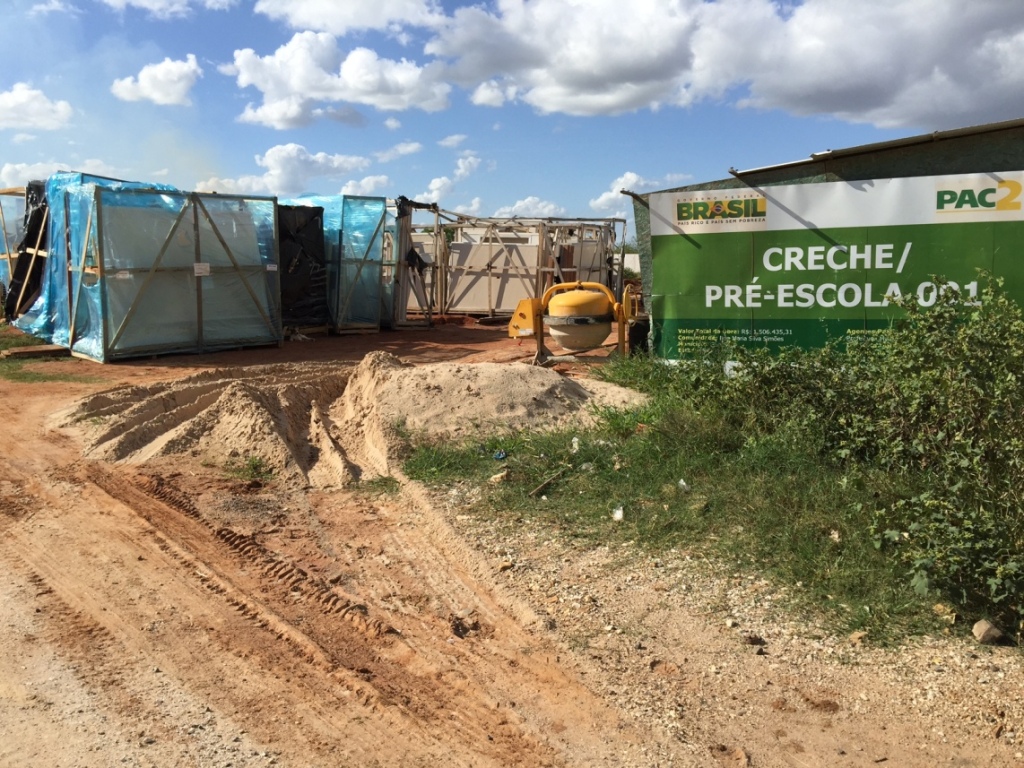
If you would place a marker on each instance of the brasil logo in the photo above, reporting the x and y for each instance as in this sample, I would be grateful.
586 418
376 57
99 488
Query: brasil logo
730 209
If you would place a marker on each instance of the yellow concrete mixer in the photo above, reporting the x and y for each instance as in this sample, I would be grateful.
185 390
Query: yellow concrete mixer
578 315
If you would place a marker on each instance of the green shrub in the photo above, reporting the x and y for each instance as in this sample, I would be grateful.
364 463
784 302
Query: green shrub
868 476
936 404
251 469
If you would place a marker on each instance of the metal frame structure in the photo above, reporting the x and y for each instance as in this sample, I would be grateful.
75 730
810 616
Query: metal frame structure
487 265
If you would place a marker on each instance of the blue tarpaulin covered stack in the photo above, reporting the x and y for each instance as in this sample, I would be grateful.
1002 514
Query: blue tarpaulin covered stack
135 269
131 269
354 230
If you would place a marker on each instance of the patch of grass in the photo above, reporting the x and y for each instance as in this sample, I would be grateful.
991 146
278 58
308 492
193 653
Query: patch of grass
870 478
250 469
766 506
381 485
11 337
14 370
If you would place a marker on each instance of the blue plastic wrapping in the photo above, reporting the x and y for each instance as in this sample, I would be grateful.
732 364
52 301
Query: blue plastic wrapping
354 230
362 244
138 269
49 316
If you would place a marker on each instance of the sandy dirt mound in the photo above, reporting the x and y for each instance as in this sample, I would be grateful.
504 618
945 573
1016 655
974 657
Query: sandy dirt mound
324 425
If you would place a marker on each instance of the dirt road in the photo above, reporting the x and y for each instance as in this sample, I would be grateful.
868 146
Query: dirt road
162 613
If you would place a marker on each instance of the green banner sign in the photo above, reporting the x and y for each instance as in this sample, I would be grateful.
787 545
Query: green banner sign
803 264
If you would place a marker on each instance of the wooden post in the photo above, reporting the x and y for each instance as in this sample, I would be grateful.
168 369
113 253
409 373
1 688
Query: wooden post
7 245
442 261
32 263
81 272
199 280
101 273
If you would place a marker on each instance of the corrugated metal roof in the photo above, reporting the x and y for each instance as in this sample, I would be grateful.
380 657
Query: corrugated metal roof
864 149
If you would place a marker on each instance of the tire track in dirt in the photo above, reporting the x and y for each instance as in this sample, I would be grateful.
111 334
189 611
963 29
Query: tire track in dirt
14 503
115 678
369 659
269 564
464 675
146 494
233 663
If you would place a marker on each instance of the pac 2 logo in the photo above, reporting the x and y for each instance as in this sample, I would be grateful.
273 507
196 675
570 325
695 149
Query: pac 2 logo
1005 196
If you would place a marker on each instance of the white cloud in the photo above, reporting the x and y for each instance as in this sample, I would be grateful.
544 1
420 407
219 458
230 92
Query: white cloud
344 114
531 207
604 58
442 186
392 124
888 62
19 174
170 9
451 142
466 165
54 6
473 209
891 64
290 170
340 17
23 138
25 107
165 83
243 185
437 190
490 94
366 186
310 69
613 199
399 150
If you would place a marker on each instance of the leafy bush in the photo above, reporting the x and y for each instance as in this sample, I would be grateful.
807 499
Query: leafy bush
934 403
854 474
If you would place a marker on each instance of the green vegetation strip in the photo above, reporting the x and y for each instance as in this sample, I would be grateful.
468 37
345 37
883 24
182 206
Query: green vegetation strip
14 370
874 477
11 338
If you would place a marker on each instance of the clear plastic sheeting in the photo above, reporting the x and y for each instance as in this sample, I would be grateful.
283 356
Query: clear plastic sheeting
135 269
354 236
167 271
362 254
49 317
12 213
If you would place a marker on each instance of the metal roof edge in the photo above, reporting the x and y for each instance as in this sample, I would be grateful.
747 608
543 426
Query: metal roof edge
862 149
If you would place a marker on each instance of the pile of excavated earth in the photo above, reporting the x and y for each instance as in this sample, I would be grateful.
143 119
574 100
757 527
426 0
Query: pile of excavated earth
323 425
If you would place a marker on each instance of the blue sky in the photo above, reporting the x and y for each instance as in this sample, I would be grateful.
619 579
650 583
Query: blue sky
509 107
